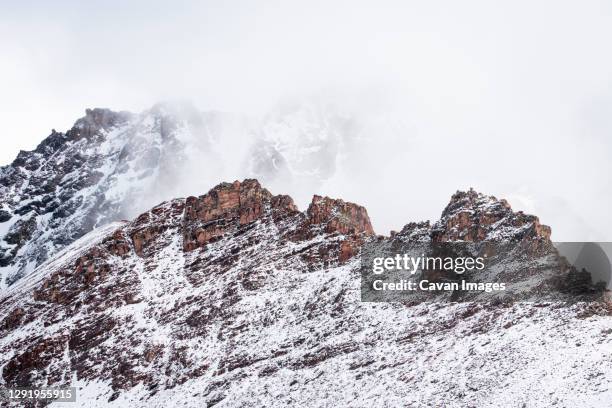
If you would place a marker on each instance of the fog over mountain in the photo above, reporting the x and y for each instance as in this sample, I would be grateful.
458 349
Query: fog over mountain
510 99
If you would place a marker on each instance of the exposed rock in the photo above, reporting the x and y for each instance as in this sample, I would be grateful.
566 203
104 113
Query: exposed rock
21 232
471 216
414 232
96 120
227 207
5 216
31 366
339 216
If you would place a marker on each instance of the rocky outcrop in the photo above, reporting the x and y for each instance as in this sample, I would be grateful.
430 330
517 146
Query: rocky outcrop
472 216
227 207
231 206
95 121
339 216
4 216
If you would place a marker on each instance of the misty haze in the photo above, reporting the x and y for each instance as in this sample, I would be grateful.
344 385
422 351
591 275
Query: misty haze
407 103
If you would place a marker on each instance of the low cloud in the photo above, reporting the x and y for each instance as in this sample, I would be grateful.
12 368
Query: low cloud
504 98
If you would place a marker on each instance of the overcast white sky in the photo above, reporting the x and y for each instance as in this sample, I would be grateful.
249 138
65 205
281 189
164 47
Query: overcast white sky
513 98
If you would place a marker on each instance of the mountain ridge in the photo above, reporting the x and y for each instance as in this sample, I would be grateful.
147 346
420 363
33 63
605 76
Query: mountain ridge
112 165
235 297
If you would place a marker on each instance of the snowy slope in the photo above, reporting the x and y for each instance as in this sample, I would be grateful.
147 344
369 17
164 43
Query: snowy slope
236 298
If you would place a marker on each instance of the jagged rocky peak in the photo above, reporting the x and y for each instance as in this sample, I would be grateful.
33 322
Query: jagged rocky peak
97 121
339 216
473 216
244 200
229 205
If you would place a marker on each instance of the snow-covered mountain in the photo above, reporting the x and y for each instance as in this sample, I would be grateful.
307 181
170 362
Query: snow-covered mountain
236 298
114 165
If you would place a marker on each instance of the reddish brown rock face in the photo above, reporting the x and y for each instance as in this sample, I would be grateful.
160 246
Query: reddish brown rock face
330 216
119 244
226 207
339 216
229 206
221 202
348 250
542 231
